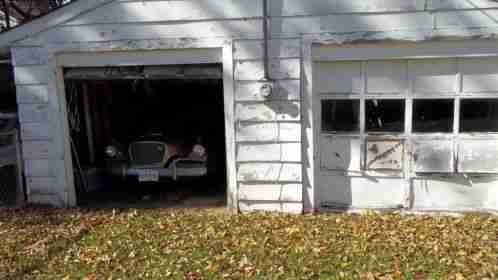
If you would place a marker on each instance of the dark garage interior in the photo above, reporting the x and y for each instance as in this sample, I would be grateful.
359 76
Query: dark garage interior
147 136
10 188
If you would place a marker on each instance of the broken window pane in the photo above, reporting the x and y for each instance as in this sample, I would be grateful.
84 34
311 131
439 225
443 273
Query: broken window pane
433 115
385 115
479 115
340 115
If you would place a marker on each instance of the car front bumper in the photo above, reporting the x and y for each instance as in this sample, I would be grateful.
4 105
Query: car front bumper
173 172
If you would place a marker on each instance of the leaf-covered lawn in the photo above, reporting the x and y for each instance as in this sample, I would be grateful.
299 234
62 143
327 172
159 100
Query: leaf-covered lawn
210 244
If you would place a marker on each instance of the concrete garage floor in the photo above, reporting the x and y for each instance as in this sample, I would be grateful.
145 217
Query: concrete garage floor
156 195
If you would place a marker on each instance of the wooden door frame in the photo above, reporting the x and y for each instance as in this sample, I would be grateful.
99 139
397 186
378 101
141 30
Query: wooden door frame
147 53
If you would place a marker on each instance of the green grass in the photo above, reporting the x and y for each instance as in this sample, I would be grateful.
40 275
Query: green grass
210 244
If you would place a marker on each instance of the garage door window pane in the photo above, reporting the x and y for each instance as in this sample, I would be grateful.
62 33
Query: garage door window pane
479 115
433 115
340 115
385 115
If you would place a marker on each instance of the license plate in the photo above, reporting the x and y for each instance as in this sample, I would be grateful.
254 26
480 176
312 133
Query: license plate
148 176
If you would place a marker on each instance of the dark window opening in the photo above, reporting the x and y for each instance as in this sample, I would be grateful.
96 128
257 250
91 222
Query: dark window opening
385 115
340 115
7 90
433 115
8 103
479 115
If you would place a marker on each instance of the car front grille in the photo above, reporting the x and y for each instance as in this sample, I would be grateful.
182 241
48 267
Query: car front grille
148 153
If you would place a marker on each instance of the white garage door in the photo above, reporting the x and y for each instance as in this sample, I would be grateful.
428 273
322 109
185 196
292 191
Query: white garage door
383 125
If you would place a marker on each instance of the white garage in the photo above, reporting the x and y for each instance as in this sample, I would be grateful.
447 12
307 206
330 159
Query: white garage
406 126
327 105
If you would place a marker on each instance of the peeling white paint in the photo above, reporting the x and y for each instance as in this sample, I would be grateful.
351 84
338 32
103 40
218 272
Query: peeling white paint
433 156
478 156
269 131
456 193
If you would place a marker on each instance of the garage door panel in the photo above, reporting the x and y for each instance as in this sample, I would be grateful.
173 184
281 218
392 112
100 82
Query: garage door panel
340 153
433 156
459 193
479 74
351 166
433 76
360 192
386 77
478 156
338 77
384 155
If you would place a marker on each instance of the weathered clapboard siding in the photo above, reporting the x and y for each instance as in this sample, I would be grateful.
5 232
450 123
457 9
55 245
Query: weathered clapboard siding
146 11
29 56
38 149
56 200
458 4
277 48
293 26
279 69
314 8
34 113
270 172
268 111
282 90
43 168
285 207
288 152
251 29
36 131
42 185
297 7
466 19
38 114
164 10
254 153
268 129
275 193
32 94
268 132
26 75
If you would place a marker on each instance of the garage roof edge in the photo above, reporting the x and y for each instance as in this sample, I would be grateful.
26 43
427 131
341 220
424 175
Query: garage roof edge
48 21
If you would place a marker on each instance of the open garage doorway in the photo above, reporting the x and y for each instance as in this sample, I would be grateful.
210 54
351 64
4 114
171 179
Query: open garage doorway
11 171
147 136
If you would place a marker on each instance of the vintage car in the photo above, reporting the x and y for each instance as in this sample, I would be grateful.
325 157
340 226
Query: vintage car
153 158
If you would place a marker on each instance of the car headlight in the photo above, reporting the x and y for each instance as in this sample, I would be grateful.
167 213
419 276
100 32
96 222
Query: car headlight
198 151
111 151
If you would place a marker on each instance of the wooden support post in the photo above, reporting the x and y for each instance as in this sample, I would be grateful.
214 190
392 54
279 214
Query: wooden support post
20 196
88 123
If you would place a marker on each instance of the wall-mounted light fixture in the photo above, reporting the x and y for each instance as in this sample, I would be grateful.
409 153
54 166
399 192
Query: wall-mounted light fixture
266 90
